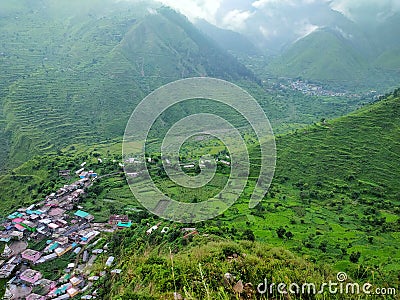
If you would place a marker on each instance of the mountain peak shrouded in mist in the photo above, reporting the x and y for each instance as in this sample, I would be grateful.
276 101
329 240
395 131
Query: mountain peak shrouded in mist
274 24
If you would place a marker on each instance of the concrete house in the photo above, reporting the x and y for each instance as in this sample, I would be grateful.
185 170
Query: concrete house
115 219
31 255
30 276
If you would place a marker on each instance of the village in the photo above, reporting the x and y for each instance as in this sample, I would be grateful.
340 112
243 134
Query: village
63 230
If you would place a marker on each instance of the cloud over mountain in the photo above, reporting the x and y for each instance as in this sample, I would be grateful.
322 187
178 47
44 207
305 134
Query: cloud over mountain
277 23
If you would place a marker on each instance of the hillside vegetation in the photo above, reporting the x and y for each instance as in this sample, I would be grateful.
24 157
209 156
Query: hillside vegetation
334 201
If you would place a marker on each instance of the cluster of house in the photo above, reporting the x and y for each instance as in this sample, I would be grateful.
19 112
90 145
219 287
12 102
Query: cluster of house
60 226
68 286
62 229
314 90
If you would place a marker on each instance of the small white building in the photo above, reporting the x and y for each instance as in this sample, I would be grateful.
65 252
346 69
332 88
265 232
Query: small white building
110 261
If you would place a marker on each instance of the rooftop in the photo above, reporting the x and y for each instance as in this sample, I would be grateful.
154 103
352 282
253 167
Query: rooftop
125 224
29 273
81 214
30 252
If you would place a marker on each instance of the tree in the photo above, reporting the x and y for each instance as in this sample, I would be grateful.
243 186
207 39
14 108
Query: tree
281 232
355 256
323 246
248 234
289 235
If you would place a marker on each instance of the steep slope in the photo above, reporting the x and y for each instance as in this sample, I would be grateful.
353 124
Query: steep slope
73 72
165 45
228 39
387 44
335 193
360 150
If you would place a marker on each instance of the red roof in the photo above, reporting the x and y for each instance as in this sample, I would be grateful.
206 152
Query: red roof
20 227
18 220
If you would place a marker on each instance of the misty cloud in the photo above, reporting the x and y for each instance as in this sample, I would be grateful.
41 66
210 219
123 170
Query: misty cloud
196 9
236 19
363 10
304 28
266 3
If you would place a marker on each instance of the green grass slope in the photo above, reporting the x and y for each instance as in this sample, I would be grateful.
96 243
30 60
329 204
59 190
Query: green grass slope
156 266
335 194
362 149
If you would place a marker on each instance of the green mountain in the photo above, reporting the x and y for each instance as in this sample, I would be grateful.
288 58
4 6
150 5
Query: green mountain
317 43
324 55
73 73
388 45
344 55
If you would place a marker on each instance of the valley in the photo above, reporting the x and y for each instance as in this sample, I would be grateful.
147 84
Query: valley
344 214
72 73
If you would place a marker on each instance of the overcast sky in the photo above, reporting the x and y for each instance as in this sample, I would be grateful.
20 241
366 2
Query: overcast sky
235 13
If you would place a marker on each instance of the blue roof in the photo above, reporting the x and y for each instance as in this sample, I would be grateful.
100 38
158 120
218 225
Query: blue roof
54 246
33 212
124 224
81 214
61 290
14 215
